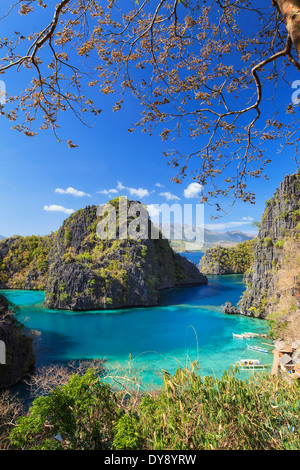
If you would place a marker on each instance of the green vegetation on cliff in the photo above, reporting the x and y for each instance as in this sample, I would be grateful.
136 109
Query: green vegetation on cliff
91 273
273 281
233 260
81 271
24 261
284 306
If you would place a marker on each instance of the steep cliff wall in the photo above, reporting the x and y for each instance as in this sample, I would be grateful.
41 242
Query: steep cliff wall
19 349
88 273
274 274
79 271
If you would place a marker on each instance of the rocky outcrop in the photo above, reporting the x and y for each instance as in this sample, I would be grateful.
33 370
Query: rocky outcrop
234 260
230 309
18 347
279 226
80 271
87 273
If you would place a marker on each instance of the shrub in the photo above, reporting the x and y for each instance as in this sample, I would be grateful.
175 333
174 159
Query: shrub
78 415
67 237
127 436
189 413
195 413
268 241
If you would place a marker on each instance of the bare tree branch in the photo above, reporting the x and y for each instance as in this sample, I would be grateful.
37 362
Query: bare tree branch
188 63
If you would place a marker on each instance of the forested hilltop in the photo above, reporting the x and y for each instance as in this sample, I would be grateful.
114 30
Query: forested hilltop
24 261
233 260
80 271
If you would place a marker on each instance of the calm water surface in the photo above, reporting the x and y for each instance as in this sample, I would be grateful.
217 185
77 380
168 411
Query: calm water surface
188 324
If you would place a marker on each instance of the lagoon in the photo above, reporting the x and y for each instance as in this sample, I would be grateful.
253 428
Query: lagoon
188 324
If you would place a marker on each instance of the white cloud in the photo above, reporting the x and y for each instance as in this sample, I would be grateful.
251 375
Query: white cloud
55 208
226 225
247 218
153 210
139 192
192 190
159 185
120 185
72 191
108 191
169 196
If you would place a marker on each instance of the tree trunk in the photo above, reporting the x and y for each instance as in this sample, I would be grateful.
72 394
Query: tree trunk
290 10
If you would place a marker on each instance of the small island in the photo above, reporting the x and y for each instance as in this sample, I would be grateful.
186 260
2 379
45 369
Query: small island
233 260
79 271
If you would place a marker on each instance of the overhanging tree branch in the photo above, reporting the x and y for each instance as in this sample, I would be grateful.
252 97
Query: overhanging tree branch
188 63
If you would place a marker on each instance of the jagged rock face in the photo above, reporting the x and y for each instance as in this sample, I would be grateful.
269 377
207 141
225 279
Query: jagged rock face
86 273
230 309
79 271
19 348
280 220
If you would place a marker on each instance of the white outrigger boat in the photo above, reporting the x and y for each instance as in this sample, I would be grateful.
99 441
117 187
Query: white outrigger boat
251 364
258 349
262 335
243 335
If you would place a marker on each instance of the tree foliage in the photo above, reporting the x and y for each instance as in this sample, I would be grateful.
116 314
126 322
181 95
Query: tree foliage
189 413
228 260
200 69
79 415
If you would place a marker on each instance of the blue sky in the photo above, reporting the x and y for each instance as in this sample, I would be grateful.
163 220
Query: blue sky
35 173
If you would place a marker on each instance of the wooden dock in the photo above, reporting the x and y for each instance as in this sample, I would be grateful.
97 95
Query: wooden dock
275 365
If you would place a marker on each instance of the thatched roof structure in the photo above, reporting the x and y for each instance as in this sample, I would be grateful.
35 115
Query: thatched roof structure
285 359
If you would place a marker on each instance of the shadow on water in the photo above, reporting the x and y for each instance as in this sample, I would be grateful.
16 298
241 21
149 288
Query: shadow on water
53 346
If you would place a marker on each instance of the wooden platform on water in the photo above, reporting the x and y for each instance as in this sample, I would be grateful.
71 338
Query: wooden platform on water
275 364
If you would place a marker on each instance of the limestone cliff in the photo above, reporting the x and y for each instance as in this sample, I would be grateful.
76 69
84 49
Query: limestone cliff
273 281
19 349
80 271
87 273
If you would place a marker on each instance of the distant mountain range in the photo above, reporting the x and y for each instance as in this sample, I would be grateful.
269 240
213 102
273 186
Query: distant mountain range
211 238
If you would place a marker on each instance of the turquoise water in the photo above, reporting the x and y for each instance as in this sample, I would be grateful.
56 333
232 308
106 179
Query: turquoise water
193 256
188 324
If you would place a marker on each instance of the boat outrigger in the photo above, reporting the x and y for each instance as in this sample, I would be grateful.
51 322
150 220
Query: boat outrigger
253 335
258 349
243 335
251 364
